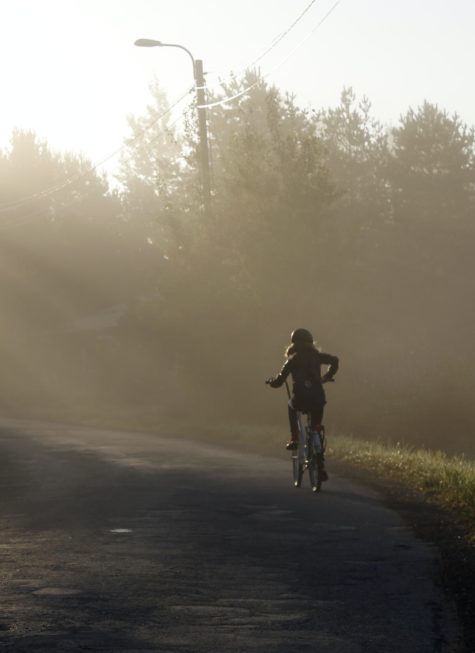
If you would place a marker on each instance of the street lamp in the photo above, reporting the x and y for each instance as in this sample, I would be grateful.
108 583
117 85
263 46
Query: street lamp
198 76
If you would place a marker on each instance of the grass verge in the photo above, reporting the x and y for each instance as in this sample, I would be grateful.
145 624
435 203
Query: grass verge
444 480
435 493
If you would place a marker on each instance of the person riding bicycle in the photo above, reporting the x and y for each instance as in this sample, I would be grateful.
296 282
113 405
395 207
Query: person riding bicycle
304 363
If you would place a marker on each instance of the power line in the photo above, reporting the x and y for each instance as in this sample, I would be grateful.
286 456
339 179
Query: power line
251 86
283 35
277 39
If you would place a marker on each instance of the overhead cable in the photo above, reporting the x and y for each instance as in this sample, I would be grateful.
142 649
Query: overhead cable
279 65
276 40
283 35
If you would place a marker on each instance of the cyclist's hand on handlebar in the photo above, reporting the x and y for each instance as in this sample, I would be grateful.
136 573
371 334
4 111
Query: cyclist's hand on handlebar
272 382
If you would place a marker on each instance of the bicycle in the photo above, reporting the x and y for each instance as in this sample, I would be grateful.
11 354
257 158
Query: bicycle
309 454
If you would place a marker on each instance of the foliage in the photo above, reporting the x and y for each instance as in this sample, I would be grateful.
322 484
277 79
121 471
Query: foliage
356 152
432 166
320 218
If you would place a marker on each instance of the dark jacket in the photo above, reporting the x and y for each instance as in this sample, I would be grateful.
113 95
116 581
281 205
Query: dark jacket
305 368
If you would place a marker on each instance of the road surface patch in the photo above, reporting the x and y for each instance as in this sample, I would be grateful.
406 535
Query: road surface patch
56 591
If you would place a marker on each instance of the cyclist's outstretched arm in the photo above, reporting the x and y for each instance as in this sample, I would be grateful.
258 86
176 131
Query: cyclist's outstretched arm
279 380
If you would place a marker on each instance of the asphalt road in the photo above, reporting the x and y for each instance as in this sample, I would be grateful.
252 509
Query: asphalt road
130 542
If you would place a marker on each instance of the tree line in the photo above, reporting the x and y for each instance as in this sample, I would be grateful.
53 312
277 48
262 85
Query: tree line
323 218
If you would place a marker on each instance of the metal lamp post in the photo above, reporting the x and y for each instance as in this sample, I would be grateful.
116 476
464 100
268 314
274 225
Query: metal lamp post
202 122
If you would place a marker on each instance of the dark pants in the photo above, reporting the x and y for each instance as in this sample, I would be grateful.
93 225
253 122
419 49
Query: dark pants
316 417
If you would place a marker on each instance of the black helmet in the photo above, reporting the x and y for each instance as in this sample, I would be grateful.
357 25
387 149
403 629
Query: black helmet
301 336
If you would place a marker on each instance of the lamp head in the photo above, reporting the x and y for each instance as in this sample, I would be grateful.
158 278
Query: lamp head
147 43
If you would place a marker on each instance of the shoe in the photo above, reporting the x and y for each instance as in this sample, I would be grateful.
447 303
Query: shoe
292 445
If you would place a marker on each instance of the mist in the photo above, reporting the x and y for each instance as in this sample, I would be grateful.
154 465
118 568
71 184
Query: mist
131 300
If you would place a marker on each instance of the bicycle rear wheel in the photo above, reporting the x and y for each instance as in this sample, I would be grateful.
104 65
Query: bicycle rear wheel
297 470
314 474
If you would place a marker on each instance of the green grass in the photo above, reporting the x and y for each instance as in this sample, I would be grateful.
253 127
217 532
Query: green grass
445 480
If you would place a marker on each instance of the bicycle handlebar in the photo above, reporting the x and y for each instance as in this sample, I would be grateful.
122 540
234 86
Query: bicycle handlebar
269 381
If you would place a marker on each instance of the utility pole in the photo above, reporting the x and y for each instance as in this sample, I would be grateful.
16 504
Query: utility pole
203 135
203 153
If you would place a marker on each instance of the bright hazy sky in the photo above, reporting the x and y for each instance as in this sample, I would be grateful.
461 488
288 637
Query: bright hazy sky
71 73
